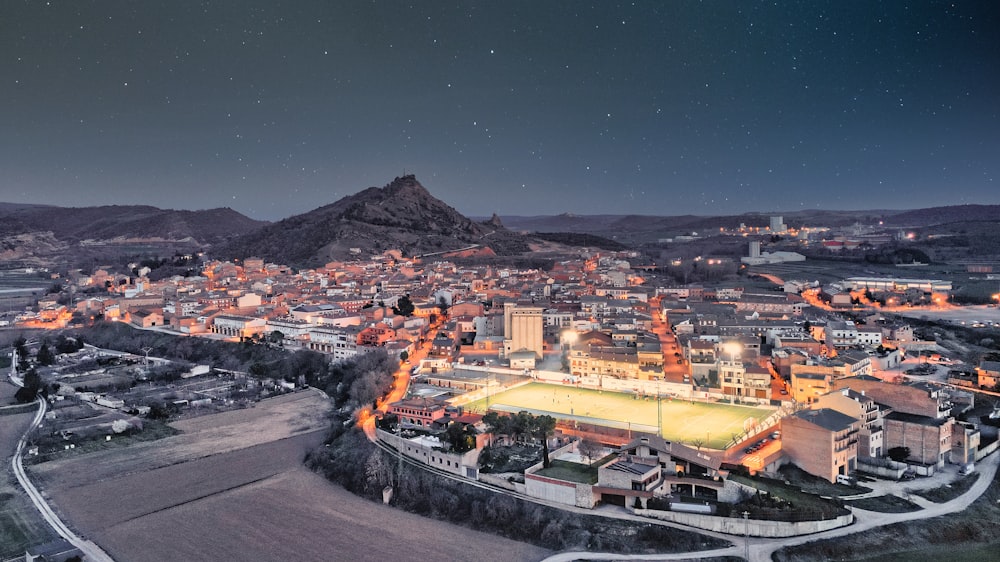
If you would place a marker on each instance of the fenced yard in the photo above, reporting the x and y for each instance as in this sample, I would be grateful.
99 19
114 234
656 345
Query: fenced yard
713 425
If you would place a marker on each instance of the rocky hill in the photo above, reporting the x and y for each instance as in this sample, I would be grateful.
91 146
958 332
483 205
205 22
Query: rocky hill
402 215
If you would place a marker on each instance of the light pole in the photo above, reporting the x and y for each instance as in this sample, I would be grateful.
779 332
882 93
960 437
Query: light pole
746 534
659 412
569 337
487 386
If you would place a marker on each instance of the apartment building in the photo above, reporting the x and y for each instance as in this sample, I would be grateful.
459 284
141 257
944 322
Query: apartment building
871 437
823 442
741 380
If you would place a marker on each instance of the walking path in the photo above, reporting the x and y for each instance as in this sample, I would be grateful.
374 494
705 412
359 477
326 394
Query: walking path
90 550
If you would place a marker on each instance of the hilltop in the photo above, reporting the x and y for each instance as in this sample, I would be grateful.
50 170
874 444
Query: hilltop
402 215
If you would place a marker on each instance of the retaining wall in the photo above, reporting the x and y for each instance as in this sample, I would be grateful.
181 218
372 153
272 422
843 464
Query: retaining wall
750 527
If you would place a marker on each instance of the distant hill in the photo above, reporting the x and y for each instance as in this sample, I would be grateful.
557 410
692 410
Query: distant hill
944 215
127 221
402 215
49 236
648 228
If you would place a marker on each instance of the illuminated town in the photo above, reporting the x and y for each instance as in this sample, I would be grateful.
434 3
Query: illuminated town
675 401
679 280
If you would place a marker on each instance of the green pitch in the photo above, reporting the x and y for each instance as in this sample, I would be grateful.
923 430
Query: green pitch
683 421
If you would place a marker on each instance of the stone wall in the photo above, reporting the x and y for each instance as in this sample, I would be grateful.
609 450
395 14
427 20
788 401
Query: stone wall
982 453
550 489
751 527
502 481
890 469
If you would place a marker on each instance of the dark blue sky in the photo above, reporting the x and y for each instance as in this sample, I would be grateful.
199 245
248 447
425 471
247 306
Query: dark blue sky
274 108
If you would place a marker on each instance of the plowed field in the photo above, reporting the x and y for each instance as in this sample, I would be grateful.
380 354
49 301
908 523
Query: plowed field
232 487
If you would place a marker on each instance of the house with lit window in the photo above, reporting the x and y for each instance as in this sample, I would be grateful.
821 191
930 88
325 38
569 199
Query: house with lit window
418 412
237 326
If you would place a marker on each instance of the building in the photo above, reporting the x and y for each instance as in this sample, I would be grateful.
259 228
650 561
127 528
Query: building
807 387
417 412
237 326
623 362
988 373
778 225
871 437
918 398
965 439
628 478
927 438
739 380
822 442
342 344
523 329
679 470
894 285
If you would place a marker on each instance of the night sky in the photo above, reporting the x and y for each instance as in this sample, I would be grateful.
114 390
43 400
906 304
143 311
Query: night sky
664 107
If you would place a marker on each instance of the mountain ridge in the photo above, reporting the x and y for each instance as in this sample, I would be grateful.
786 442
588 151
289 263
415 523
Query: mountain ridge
401 215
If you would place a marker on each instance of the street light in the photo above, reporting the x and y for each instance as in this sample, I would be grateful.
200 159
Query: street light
733 349
569 337
488 372
746 533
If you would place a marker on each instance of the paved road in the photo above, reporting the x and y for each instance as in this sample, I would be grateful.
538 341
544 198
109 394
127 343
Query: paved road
90 550
761 549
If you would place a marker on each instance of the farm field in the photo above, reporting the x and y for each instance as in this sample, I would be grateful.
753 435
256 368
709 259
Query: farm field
297 515
269 420
20 525
233 487
712 423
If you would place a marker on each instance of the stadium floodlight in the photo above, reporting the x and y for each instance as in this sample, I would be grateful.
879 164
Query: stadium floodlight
733 349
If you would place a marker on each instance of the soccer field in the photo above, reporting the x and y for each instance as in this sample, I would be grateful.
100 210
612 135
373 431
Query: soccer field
714 424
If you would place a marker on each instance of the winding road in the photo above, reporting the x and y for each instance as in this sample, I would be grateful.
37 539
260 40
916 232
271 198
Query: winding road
88 548
761 549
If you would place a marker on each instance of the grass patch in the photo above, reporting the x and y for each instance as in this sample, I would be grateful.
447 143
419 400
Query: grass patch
570 472
949 492
951 553
800 506
151 431
884 504
20 526
15 409
713 424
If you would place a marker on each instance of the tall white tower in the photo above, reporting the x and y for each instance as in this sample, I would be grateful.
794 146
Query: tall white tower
778 224
523 328
755 248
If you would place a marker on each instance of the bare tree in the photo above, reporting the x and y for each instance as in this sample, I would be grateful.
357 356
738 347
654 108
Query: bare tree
589 449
